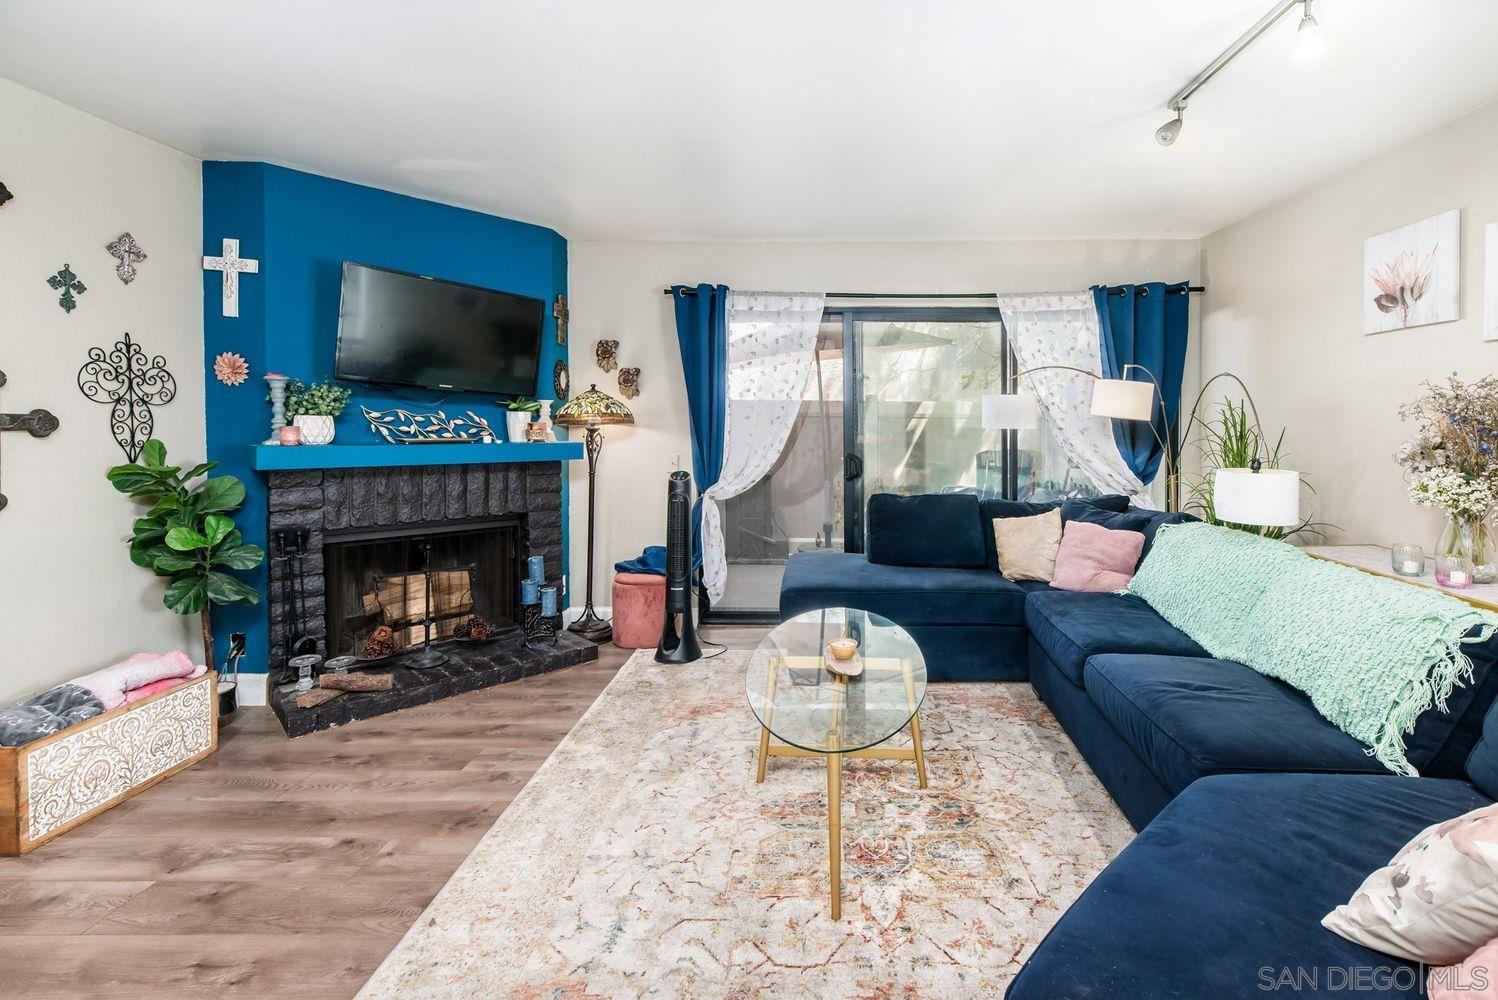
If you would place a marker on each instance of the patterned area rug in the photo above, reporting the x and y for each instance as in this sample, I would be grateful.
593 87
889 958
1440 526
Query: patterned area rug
642 858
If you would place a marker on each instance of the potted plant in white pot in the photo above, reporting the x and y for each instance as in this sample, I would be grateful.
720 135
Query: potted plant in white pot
312 408
518 414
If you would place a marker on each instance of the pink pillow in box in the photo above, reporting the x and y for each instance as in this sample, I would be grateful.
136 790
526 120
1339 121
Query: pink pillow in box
111 683
1095 558
1474 979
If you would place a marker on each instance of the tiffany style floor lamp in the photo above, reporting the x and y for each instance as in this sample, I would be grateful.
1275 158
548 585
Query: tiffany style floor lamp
591 410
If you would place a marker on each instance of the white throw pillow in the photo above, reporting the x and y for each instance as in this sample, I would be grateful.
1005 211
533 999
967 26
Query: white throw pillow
1437 901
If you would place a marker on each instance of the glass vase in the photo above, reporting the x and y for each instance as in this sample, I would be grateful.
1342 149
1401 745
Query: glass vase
1470 538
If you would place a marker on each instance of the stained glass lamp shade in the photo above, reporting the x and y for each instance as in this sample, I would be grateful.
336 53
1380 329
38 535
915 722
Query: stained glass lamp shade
593 409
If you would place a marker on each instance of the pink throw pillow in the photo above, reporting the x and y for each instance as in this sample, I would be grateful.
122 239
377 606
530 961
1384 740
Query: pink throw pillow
1095 558
155 687
1474 979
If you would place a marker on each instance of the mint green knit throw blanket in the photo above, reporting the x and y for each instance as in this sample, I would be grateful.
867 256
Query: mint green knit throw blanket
1372 654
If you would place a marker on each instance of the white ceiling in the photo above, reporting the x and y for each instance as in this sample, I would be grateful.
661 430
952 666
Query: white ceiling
773 119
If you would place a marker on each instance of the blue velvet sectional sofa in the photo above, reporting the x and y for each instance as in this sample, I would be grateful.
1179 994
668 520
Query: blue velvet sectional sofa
1258 815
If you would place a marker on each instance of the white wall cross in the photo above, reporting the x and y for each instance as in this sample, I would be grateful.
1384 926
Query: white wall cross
231 264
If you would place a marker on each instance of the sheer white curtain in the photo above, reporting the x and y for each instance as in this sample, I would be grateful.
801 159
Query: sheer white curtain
1063 329
770 343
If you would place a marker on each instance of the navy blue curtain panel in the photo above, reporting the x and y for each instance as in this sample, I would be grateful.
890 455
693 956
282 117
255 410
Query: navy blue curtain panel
1142 325
702 331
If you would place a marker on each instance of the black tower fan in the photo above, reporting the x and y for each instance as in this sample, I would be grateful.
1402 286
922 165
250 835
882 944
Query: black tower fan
682 647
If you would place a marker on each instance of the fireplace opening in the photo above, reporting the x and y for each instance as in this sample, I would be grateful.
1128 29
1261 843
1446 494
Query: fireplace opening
412 576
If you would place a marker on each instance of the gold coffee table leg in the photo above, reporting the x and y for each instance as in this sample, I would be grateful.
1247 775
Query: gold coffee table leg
835 828
764 730
915 727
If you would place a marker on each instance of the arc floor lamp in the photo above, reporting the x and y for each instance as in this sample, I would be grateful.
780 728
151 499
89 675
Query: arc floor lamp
591 410
1253 495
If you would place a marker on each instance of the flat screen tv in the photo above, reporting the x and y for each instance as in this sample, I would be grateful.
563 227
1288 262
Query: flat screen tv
403 329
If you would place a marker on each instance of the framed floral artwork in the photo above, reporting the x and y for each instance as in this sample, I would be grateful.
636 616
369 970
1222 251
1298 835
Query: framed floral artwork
1412 275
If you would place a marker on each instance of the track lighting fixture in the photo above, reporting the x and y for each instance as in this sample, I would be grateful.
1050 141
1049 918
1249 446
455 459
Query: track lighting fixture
1307 19
1308 44
1167 134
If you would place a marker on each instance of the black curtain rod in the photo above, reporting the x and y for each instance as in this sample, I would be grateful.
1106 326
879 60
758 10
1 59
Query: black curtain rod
951 295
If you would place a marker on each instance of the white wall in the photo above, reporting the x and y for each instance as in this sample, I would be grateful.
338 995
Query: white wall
615 293
1284 311
70 599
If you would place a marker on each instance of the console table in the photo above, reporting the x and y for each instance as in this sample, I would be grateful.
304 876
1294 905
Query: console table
1375 559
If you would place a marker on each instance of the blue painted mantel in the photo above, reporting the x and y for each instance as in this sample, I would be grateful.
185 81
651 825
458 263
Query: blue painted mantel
277 458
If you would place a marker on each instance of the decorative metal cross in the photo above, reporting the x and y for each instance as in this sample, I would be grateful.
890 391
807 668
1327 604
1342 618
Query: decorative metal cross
128 253
232 265
125 378
560 312
67 282
37 423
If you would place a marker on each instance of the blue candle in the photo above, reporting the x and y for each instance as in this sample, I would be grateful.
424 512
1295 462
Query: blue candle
528 592
548 602
538 568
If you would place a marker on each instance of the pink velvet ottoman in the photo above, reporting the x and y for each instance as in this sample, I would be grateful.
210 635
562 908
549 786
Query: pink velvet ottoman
639 609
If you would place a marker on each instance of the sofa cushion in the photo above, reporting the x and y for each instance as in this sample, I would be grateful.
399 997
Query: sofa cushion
1187 717
990 509
1070 627
932 529
1482 766
1146 522
906 595
1232 879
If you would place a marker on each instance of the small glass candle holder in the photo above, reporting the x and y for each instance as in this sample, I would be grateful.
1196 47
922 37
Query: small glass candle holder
305 666
1408 559
1453 571
341 664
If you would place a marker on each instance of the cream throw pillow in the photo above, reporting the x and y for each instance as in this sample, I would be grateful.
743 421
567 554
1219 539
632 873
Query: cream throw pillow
1027 545
1437 901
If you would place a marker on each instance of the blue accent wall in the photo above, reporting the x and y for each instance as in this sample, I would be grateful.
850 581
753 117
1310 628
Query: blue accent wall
302 227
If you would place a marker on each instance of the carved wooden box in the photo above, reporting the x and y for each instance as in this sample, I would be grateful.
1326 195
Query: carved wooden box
54 784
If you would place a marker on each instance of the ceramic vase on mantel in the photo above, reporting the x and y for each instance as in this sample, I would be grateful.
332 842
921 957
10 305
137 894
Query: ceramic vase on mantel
316 429
515 423
1470 538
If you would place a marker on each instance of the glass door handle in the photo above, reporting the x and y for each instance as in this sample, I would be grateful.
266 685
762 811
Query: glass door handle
852 467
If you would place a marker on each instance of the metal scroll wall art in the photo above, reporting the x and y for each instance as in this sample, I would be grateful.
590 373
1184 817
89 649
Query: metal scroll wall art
404 427
131 383
37 423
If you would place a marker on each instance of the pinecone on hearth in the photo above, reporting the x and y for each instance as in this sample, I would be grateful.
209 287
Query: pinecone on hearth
381 642
474 628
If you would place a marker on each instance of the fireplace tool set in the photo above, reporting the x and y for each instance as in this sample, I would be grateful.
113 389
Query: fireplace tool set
291 551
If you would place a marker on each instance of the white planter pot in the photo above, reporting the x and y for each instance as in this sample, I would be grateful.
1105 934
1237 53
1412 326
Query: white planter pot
315 429
515 424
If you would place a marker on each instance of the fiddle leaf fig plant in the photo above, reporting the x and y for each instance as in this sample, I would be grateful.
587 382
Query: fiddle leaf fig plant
187 534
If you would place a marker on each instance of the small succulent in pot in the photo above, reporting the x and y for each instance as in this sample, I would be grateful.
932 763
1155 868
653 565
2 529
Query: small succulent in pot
313 408
517 419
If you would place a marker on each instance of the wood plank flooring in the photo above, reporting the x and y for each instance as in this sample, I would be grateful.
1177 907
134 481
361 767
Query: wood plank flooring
281 868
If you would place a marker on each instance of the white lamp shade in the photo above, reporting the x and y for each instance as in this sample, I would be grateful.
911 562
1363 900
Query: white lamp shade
1020 411
1122 399
1269 497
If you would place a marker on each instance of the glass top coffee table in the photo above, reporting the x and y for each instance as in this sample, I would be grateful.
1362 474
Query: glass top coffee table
812 712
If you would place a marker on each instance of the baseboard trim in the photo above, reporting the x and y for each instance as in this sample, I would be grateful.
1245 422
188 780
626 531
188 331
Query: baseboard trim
573 614
252 690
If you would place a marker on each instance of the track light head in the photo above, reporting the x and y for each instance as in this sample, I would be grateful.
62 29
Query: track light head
1307 19
1167 134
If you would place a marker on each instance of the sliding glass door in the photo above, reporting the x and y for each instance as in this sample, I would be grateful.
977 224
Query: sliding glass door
894 405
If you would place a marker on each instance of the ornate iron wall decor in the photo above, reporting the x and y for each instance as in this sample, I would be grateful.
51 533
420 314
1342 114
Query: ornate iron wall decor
5 194
559 310
132 383
128 253
404 427
561 381
606 353
37 423
67 282
629 382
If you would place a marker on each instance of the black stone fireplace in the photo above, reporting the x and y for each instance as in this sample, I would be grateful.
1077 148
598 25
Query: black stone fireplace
438 574
353 548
